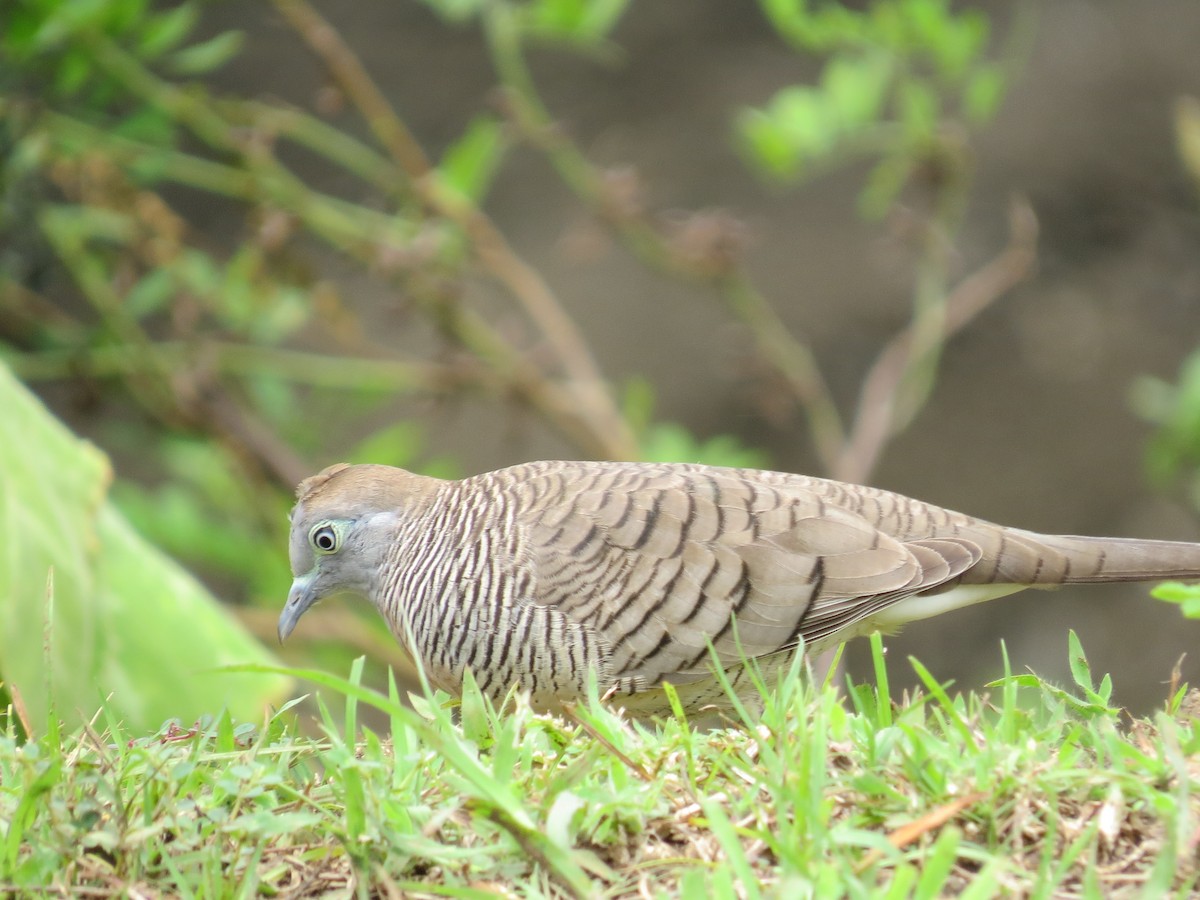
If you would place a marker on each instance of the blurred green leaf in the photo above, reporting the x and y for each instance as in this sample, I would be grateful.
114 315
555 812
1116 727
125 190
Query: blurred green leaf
190 527
152 292
984 91
147 125
65 19
73 72
1175 591
800 126
669 442
199 272
166 30
1186 595
1187 135
602 16
857 88
767 146
789 19
394 445
1173 453
580 21
897 62
124 15
819 27
807 119
274 396
637 403
125 620
20 33
455 10
199 59
471 162
76 224
884 183
919 109
959 43
930 30
403 445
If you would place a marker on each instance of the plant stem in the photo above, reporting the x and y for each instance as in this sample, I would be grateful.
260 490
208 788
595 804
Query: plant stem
592 397
875 421
789 355
240 361
581 409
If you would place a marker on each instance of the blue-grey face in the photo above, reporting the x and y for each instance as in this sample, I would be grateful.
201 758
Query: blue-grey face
343 526
331 555
317 552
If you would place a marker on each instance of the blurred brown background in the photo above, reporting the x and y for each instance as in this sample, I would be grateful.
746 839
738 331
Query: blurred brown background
1030 424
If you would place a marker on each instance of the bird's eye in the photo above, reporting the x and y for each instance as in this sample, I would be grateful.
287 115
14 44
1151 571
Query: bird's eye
324 538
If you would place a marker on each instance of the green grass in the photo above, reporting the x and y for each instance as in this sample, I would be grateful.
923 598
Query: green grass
1033 791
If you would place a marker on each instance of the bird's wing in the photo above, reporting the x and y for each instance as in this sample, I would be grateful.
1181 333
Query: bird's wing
664 563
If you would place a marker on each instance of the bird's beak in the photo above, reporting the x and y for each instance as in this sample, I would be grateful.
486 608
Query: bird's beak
300 598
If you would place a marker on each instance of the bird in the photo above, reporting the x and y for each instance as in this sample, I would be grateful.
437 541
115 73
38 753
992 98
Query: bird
554 576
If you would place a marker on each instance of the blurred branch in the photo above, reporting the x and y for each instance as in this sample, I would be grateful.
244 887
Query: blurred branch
579 408
241 360
245 432
355 230
900 381
348 71
794 360
880 412
522 281
152 385
316 135
1187 136
721 271
568 391
28 312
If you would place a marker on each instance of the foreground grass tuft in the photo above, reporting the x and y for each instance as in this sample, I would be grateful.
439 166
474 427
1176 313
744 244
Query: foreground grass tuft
1031 791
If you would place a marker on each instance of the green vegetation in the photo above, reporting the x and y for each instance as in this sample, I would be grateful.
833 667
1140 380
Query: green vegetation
1031 790
91 611
213 364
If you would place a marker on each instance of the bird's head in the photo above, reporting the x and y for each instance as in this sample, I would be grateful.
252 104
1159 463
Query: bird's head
345 520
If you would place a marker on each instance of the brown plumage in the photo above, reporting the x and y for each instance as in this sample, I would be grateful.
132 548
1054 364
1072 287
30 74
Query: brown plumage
547 573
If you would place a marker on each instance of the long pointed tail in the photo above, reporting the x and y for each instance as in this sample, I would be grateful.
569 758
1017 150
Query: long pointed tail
1072 559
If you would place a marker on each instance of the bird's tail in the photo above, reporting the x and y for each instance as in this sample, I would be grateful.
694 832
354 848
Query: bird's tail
1072 559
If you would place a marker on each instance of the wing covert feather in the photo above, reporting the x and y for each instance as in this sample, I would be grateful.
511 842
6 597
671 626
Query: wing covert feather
663 566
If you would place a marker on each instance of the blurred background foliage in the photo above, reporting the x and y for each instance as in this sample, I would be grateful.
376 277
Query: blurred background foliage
219 366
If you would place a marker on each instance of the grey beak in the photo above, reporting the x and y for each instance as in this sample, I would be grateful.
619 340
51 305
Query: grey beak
300 598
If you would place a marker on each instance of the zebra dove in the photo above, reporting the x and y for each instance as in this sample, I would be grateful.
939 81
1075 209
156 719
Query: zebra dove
546 574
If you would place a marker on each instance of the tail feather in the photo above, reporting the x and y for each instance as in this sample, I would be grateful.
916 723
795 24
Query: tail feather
1091 560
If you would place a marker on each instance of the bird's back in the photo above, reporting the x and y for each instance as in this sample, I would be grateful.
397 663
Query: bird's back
668 563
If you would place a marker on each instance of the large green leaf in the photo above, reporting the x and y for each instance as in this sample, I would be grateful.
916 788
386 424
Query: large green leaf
126 622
